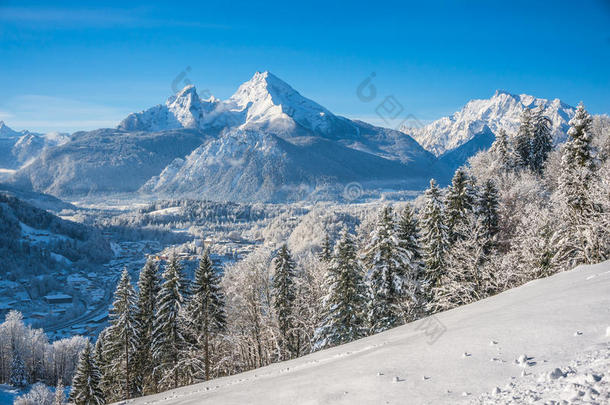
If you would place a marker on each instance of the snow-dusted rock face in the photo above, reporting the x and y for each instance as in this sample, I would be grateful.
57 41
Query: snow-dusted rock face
184 110
503 110
264 102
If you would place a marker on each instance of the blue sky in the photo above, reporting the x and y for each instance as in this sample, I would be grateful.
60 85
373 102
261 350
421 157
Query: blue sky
81 65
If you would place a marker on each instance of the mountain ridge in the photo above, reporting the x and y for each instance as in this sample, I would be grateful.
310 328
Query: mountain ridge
501 111
225 143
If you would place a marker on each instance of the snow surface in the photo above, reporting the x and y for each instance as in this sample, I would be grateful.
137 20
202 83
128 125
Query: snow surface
502 110
502 349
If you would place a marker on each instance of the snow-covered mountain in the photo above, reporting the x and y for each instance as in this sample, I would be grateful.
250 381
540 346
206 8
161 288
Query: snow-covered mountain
266 143
20 147
503 110
263 143
546 340
6 132
264 102
271 143
252 165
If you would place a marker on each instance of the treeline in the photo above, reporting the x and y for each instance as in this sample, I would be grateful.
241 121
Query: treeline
520 211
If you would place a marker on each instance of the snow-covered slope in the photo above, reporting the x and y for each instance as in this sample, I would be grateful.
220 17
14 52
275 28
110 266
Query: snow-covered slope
504 349
251 165
105 161
503 110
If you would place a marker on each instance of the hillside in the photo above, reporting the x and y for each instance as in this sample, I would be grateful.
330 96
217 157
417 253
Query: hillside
34 241
534 341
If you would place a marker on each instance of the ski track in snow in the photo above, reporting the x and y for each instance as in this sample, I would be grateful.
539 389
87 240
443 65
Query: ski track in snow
546 341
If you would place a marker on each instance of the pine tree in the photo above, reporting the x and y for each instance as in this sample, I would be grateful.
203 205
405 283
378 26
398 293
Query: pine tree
459 203
434 239
522 144
344 306
327 250
577 168
149 284
60 395
122 335
283 293
464 280
487 211
542 140
206 309
579 237
578 148
168 337
390 275
18 376
502 151
408 238
108 384
86 383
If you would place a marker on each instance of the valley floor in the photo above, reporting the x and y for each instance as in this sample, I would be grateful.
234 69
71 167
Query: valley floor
546 340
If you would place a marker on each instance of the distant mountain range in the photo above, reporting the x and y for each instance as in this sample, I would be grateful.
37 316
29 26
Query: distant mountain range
265 143
17 148
502 110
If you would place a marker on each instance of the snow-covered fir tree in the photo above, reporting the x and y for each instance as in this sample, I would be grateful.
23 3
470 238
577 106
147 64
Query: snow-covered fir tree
542 140
149 284
168 334
205 311
86 383
391 278
434 236
109 383
459 203
522 141
327 249
578 148
408 238
122 336
501 149
582 235
577 175
465 279
487 211
283 290
344 308
18 377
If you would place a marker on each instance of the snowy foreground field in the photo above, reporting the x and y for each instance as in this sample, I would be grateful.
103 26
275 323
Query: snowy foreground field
548 340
